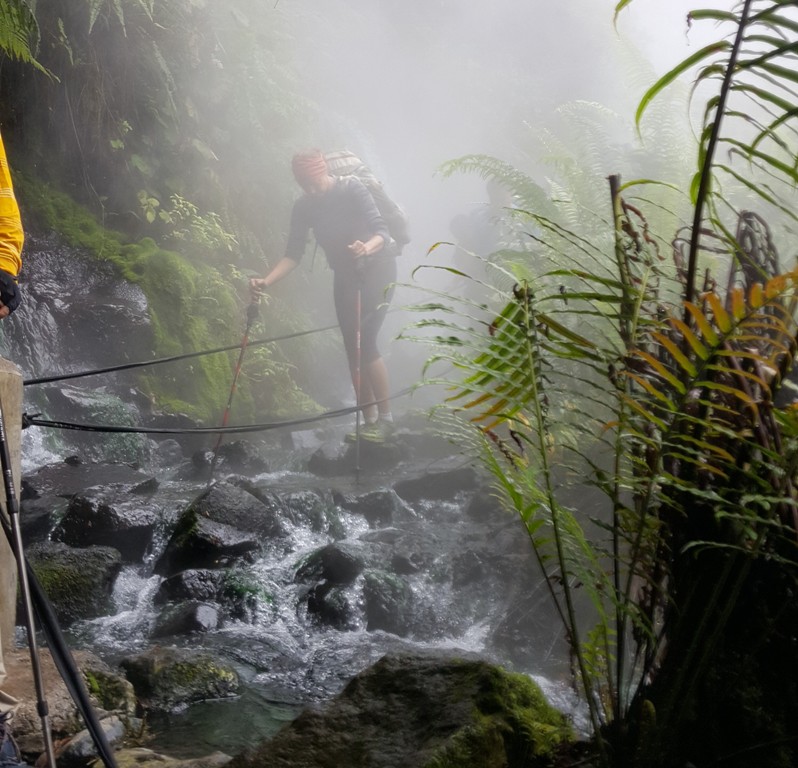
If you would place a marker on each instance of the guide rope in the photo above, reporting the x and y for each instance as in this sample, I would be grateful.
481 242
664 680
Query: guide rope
33 420
173 358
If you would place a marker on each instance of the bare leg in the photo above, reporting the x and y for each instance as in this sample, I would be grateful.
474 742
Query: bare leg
377 378
366 394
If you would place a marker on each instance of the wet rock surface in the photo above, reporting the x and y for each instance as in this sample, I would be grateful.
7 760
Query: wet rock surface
286 583
169 679
410 711
77 581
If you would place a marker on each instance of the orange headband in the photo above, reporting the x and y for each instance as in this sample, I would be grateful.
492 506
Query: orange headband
308 166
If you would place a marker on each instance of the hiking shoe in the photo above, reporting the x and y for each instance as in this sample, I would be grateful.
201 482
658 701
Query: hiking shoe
351 437
376 432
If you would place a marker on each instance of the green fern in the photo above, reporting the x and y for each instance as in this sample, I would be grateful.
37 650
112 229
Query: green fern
19 32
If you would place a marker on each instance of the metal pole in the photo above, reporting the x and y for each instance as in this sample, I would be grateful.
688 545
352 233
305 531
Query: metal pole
358 374
15 540
252 314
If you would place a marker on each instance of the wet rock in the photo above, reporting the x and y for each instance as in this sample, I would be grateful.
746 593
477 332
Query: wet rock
116 515
98 406
169 453
169 679
220 526
465 712
334 606
146 487
139 757
109 692
241 456
37 517
191 584
388 602
380 508
308 508
239 508
336 458
411 551
186 618
198 542
79 749
78 582
331 458
66 479
189 443
338 563
438 485
235 590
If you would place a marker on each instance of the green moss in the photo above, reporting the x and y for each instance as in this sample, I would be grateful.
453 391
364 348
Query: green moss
92 683
191 674
185 529
241 585
513 727
192 307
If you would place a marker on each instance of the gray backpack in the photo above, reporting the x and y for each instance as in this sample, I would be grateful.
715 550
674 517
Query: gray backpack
345 163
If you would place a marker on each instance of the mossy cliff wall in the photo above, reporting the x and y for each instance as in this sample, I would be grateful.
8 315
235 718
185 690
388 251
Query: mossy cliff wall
192 306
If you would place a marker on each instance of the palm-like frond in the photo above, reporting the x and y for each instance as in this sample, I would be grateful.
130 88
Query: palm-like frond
19 32
709 390
750 126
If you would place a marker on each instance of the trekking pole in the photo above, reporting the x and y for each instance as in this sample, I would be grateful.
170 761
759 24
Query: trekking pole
252 315
358 361
15 540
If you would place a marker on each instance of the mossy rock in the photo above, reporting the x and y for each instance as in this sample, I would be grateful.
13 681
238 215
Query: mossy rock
168 679
78 582
423 711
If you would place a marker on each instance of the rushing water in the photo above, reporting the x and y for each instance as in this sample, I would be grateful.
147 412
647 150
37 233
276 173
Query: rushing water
473 578
285 658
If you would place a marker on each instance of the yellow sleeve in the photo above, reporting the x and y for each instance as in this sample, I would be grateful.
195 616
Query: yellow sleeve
11 234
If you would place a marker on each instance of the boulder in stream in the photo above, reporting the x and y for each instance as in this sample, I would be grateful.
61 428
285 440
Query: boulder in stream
169 679
220 526
78 582
113 515
416 710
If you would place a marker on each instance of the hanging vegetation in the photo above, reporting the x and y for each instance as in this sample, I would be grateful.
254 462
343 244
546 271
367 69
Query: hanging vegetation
161 120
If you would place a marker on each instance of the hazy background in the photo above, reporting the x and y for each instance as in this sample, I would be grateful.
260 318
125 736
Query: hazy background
411 85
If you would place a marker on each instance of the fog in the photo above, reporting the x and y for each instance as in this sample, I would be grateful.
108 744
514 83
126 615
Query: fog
411 85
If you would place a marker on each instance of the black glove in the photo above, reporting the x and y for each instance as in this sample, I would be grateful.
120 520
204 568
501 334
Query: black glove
9 290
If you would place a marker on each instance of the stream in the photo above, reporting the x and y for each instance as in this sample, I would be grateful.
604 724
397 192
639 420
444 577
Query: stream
469 580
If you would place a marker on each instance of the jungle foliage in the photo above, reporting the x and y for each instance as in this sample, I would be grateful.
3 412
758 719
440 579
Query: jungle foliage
661 381
162 120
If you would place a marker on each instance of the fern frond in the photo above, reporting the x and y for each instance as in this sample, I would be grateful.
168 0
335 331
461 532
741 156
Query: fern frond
19 32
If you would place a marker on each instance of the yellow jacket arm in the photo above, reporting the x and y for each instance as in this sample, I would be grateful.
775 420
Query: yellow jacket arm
11 233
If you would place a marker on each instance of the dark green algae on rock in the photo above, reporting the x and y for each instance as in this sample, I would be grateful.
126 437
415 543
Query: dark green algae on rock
422 711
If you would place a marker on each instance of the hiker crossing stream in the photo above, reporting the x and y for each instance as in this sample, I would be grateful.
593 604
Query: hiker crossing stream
289 572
